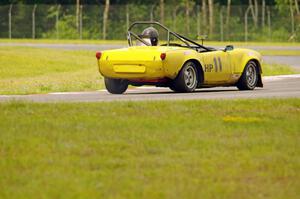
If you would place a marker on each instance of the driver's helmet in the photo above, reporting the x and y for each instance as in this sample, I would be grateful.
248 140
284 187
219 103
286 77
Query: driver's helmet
152 34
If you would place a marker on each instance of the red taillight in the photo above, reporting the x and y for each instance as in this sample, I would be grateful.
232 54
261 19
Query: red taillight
98 55
163 56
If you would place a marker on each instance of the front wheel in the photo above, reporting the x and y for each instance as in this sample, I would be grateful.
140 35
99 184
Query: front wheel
115 86
249 78
187 79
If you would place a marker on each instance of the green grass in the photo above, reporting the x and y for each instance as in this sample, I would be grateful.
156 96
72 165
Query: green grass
26 70
277 69
237 44
65 41
184 149
39 70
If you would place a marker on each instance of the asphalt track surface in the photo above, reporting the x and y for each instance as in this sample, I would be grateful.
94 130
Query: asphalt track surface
286 86
293 61
280 86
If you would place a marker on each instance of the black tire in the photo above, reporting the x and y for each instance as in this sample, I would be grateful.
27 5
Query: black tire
172 87
187 79
249 78
115 86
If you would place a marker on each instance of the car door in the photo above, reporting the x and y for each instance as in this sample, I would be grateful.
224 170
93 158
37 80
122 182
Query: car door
217 66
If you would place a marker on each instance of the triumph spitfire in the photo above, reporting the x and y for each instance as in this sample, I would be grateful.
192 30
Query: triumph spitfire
176 62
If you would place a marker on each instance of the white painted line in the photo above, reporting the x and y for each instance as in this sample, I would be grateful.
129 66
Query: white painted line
139 88
65 93
280 77
266 78
71 93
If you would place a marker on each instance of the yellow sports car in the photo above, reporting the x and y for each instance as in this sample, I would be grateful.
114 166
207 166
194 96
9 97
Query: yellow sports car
161 57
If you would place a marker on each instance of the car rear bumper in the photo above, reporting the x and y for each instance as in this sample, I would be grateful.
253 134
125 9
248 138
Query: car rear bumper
130 70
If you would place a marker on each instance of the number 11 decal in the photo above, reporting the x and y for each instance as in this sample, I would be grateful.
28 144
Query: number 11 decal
218 66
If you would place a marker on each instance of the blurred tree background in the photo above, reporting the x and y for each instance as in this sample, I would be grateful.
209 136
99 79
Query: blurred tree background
220 20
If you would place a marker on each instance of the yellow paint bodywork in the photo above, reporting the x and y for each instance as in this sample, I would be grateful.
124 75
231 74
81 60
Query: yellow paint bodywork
144 62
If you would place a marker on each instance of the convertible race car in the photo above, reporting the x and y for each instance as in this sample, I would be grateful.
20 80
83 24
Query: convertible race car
176 62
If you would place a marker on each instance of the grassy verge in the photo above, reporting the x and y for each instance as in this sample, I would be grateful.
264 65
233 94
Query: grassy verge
237 44
277 69
184 149
62 41
218 43
40 70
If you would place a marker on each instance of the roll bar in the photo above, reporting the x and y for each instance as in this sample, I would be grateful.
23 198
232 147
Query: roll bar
170 32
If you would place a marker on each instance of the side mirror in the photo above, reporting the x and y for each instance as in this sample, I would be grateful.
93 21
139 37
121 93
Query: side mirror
228 48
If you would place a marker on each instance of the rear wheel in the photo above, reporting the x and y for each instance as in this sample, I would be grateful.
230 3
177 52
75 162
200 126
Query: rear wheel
116 86
249 78
187 79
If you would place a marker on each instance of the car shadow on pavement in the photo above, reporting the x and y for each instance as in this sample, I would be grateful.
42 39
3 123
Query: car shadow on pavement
175 93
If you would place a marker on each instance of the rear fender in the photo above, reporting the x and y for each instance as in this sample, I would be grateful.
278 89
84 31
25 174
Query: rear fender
176 59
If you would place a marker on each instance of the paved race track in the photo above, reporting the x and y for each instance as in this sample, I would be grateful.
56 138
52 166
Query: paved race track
293 61
276 86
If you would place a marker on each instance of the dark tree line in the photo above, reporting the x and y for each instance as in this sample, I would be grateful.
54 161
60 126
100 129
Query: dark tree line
108 19
220 2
